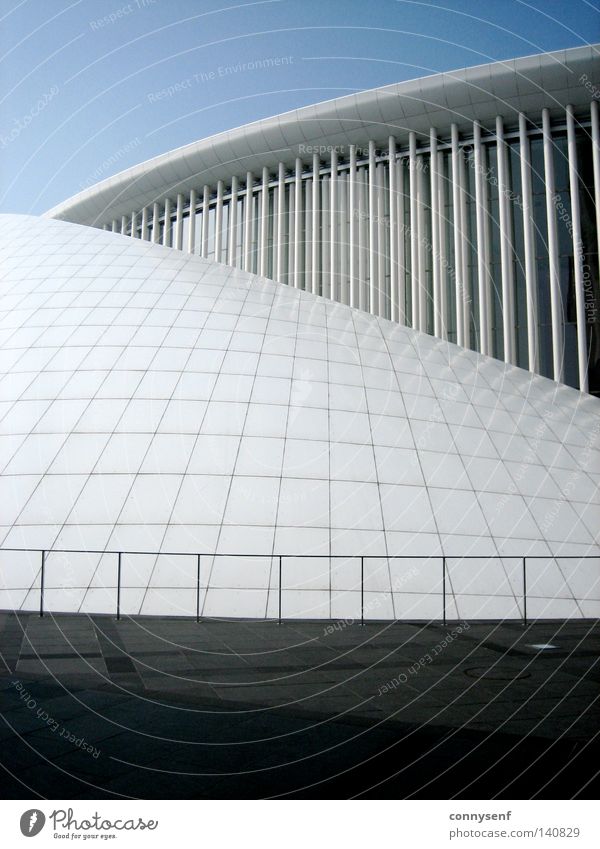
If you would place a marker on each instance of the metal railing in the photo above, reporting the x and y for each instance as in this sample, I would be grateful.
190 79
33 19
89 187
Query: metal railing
279 558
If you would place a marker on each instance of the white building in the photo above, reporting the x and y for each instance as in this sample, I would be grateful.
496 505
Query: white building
185 436
463 204
154 401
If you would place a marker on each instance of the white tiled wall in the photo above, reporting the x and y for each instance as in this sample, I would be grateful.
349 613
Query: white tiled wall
153 401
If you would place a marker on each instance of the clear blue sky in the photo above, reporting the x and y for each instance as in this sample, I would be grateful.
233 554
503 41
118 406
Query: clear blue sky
81 79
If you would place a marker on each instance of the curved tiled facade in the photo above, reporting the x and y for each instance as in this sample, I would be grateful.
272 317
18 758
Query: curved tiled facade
464 205
153 401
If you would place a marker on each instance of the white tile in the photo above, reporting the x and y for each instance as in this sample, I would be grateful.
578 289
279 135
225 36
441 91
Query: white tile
345 397
271 390
52 500
35 454
398 465
168 453
355 505
260 456
457 512
139 416
224 418
474 442
193 386
558 520
240 572
487 475
297 540
79 453
237 603
352 462
201 500
252 501
349 427
182 417
306 393
306 458
151 500
214 455
233 387
304 503
266 420
444 470
309 423
406 508
392 431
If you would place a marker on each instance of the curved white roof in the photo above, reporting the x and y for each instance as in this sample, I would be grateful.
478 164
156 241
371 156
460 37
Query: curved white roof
154 401
506 88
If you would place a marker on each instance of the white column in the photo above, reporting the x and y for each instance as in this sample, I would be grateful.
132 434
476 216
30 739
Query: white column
178 241
344 259
316 224
482 248
105 227
596 163
393 220
297 222
373 281
506 251
123 225
333 232
555 299
155 223
487 243
233 222
290 234
383 295
401 242
167 224
422 277
134 220
435 242
308 233
264 224
325 235
352 240
144 230
115 227
456 191
464 250
280 222
362 240
192 229
205 214
578 256
248 222
442 246
414 229
219 222
533 360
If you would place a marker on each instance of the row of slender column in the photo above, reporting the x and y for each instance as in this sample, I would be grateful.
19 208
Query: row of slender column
375 248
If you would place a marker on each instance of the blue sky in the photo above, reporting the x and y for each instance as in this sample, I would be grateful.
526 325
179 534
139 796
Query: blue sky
85 81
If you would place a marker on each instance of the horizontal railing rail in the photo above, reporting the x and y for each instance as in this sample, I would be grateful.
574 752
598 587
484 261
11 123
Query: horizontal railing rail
280 558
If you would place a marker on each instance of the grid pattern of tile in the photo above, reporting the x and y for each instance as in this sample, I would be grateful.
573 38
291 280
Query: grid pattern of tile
155 401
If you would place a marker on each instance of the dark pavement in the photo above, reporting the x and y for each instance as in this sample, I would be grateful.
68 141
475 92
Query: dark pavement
158 708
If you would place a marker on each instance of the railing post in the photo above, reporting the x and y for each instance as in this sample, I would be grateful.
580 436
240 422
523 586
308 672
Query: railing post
444 589
198 590
279 617
42 583
119 586
524 592
362 590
